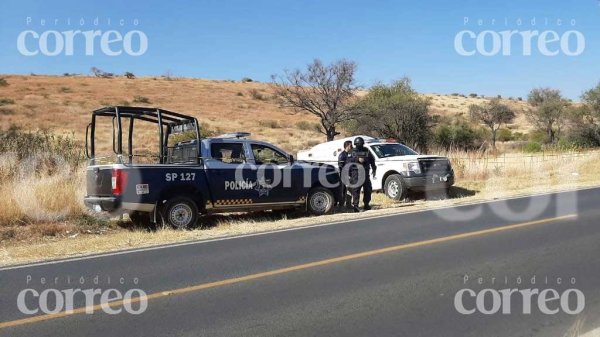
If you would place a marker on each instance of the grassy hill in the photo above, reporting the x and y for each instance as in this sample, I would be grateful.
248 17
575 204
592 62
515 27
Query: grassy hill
63 104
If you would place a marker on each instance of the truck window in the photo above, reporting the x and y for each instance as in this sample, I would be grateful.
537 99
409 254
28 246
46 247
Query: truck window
231 153
392 150
267 155
183 153
184 148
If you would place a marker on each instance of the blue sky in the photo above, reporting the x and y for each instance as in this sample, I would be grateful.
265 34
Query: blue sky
387 39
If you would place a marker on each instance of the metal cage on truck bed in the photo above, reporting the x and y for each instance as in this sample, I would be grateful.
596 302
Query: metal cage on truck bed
168 123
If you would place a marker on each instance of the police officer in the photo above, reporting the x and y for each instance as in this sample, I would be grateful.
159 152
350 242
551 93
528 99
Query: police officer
342 161
362 161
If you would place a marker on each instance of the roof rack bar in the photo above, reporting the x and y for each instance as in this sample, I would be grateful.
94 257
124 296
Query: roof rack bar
198 135
93 139
120 135
130 141
161 135
137 111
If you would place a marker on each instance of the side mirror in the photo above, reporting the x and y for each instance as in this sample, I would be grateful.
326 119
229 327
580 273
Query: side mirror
291 159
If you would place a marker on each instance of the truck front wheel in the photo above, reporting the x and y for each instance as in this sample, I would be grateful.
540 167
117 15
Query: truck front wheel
394 187
320 201
180 213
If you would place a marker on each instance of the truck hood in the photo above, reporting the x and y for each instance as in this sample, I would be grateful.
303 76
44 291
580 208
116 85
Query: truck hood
409 158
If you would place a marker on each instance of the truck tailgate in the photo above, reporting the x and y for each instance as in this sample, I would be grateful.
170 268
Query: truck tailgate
99 181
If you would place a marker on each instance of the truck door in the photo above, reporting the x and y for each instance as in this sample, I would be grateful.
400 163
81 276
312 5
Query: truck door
229 159
275 175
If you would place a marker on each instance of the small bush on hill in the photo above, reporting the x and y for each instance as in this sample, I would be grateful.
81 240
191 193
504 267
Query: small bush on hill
256 94
141 99
6 101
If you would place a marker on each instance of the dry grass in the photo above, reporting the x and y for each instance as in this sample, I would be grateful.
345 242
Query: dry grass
480 177
449 105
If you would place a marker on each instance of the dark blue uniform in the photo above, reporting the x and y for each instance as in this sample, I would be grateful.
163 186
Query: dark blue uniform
367 164
342 161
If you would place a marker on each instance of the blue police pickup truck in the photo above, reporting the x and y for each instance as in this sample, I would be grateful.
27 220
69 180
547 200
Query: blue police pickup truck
189 176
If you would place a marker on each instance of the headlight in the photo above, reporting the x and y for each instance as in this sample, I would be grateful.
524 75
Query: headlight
413 167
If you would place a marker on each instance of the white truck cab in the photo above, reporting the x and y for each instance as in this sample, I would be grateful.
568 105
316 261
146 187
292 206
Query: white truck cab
399 168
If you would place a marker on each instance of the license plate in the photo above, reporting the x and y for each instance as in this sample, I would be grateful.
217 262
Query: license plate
142 189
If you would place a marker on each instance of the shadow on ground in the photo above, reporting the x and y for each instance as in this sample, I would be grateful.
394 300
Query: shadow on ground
213 220
453 192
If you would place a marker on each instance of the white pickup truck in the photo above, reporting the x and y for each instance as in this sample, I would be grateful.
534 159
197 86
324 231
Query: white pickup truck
399 168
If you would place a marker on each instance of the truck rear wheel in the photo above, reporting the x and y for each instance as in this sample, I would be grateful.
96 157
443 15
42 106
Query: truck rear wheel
394 187
180 213
320 201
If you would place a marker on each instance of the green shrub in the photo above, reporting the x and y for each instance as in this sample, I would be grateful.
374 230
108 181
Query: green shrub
473 95
538 137
42 144
6 101
504 135
582 137
457 136
246 80
518 136
3 82
532 147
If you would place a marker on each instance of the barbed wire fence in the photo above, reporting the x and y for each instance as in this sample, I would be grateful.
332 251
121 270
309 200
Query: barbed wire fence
485 162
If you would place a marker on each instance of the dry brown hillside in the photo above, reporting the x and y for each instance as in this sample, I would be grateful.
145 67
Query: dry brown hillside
63 103
452 105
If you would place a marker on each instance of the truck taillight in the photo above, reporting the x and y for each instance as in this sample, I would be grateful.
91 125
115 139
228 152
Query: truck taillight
119 181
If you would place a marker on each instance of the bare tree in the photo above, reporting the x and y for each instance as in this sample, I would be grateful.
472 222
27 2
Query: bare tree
550 111
492 114
393 111
325 91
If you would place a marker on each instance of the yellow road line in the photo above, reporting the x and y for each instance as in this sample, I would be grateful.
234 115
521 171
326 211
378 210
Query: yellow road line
309 265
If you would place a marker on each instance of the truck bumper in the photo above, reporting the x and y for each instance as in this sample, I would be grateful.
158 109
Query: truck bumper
108 204
429 182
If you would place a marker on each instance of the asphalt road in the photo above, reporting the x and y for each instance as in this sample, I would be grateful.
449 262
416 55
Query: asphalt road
386 276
